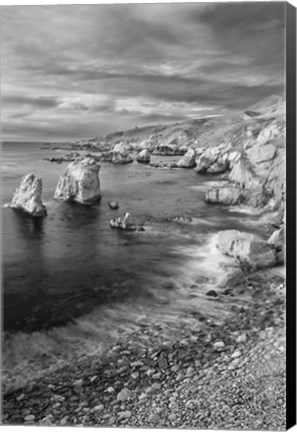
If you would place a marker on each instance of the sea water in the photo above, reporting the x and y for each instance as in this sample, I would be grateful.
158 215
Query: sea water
63 266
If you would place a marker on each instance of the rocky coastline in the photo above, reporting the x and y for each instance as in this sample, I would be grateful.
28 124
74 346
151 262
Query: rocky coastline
212 373
227 375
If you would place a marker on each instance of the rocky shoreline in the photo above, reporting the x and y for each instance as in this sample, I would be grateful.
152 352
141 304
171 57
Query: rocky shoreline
227 375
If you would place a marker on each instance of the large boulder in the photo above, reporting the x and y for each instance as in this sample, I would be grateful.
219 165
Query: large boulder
230 195
213 160
27 196
188 160
248 249
144 157
120 155
277 242
80 183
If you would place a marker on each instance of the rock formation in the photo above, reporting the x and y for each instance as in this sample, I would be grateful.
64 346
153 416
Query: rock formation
248 249
277 242
125 223
144 157
213 160
225 195
80 183
188 160
258 169
27 196
120 155
113 205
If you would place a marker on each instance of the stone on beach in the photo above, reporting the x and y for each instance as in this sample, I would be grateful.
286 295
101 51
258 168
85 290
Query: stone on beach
246 248
27 196
144 157
80 183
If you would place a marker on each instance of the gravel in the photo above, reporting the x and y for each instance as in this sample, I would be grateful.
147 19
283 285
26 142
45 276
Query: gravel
227 376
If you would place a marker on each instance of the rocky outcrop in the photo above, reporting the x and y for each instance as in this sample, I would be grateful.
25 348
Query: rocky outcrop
27 196
113 205
120 155
258 168
188 160
125 223
230 195
213 160
144 157
80 183
277 242
247 249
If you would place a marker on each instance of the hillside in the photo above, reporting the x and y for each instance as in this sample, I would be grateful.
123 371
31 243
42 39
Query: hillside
230 129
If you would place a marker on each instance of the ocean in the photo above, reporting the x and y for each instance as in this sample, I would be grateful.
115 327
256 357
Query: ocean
63 266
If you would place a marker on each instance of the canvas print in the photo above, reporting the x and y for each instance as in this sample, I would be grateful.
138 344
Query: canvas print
143 215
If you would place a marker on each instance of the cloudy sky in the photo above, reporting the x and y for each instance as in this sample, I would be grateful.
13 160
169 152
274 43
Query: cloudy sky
77 71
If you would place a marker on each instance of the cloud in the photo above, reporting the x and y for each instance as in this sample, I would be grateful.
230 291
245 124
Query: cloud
41 102
89 69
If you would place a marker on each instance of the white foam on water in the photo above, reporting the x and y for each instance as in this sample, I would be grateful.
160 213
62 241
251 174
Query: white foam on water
204 263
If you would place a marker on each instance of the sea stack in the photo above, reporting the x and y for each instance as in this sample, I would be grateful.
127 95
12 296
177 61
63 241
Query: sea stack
80 183
144 157
27 196
120 155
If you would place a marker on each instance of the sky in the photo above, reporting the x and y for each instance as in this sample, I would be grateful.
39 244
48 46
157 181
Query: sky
78 71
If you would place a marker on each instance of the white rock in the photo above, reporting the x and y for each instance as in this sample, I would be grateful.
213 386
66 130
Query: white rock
246 248
236 354
80 183
188 160
219 345
124 395
27 196
120 155
144 157
229 195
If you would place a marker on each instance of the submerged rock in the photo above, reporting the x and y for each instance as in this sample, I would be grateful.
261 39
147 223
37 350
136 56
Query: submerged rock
27 196
248 249
180 219
188 160
80 183
120 155
144 157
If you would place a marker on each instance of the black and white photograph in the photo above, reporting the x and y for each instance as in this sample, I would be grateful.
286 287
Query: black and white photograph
144 206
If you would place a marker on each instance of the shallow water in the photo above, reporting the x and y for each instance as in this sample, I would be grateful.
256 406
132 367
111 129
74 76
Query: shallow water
63 266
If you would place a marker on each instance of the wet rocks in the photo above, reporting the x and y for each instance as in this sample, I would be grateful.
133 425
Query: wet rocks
180 219
188 160
125 223
27 197
229 195
144 157
120 155
248 249
113 205
80 183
